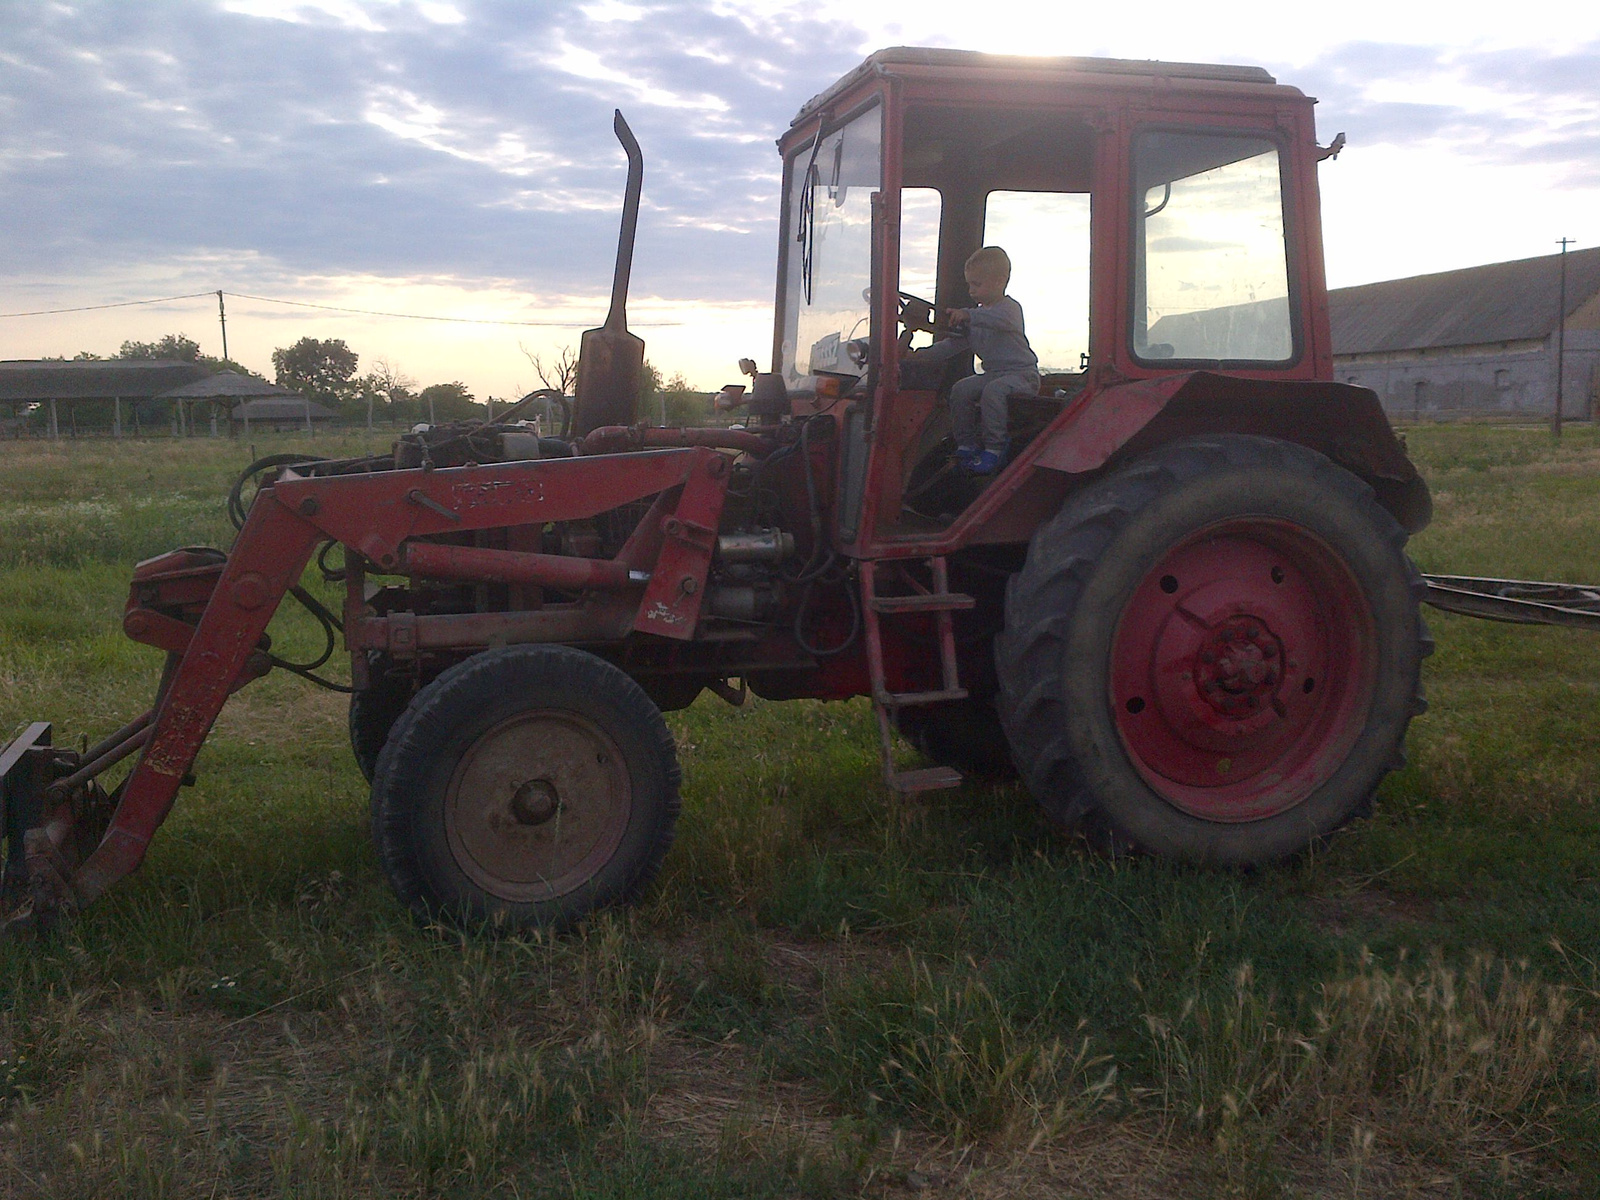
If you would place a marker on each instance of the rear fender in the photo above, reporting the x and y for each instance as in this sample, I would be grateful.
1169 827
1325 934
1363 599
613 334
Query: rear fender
1344 422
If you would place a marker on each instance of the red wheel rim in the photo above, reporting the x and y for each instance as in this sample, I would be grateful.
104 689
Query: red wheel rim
1242 669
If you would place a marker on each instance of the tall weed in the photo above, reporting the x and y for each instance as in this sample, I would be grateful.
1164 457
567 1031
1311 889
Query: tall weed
1431 1053
942 1048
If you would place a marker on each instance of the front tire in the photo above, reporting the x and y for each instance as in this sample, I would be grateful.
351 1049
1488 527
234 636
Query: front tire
1213 654
527 786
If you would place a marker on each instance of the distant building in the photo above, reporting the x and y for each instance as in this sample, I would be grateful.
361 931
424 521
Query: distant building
278 412
1478 342
218 394
61 385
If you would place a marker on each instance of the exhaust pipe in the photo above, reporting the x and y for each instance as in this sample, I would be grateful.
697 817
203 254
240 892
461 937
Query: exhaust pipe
610 359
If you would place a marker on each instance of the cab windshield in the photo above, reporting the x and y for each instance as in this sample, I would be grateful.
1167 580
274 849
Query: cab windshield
828 251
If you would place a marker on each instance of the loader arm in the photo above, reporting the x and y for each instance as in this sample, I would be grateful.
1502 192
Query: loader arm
271 551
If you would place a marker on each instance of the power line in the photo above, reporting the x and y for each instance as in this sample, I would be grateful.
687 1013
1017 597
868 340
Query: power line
368 312
50 312
364 312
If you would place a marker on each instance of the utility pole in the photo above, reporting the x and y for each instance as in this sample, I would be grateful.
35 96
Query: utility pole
1561 342
222 315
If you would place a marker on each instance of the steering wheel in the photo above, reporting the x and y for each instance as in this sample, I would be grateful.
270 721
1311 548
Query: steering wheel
916 314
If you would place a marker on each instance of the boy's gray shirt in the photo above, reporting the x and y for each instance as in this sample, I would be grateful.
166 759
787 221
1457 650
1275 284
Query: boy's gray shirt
995 334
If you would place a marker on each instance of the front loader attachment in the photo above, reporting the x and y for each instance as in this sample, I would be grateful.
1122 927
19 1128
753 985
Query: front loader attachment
68 840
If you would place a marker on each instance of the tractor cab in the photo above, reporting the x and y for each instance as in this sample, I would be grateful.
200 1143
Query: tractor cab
1161 220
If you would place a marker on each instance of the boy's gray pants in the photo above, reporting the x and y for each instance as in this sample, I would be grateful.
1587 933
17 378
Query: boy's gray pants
986 395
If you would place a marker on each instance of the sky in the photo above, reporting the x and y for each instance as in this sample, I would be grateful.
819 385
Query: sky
455 158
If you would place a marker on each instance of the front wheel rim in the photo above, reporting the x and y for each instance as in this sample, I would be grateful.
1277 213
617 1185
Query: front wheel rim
537 805
1243 668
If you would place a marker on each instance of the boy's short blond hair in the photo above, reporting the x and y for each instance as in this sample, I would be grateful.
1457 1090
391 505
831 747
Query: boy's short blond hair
991 262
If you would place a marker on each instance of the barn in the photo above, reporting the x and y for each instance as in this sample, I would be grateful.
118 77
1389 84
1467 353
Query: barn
106 393
1475 342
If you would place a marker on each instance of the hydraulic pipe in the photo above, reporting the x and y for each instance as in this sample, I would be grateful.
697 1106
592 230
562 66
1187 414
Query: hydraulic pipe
611 439
104 760
121 735
434 561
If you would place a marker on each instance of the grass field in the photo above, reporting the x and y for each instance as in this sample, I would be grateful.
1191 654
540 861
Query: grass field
829 991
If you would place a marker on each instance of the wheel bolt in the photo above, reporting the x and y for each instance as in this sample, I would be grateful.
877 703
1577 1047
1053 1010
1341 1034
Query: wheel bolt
1269 650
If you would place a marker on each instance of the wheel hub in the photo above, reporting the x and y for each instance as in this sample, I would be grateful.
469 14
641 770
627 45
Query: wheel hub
534 802
1239 666
1241 670
537 804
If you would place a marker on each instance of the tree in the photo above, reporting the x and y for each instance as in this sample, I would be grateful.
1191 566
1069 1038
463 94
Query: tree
561 373
648 409
174 347
322 370
385 384
447 402
670 402
682 404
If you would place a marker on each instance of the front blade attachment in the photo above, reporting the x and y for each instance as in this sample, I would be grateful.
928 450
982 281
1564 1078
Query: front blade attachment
51 813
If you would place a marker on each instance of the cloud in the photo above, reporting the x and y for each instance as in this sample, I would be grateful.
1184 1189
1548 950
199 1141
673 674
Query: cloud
1493 107
339 137
277 147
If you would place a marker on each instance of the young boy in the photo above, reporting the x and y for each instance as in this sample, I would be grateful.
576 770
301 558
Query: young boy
992 330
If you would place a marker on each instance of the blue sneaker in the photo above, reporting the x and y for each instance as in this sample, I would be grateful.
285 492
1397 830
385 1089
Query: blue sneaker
965 454
984 463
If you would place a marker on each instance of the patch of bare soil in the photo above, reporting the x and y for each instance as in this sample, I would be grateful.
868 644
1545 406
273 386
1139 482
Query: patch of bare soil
1368 907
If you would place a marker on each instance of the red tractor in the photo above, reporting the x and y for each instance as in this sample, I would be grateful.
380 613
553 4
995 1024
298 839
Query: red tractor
1182 612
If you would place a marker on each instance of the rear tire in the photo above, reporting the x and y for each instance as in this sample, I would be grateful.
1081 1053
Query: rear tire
1213 654
524 787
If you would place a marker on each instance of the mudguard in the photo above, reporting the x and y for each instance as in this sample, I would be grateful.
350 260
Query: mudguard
1344 422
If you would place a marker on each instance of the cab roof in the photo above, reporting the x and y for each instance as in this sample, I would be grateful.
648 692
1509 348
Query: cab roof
898 60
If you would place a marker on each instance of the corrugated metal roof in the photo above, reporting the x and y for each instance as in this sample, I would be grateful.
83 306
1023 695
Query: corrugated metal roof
31 379
223 385
1500 302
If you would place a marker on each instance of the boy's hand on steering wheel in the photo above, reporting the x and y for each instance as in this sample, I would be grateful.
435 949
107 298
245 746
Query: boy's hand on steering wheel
955 317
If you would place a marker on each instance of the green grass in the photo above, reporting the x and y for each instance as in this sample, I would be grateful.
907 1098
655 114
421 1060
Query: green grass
829 991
